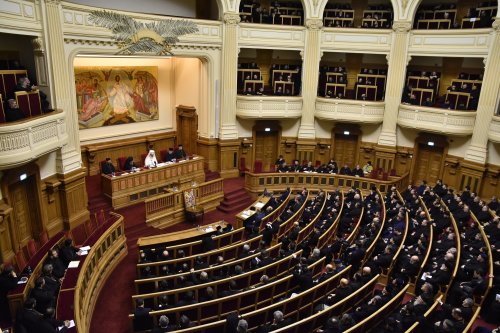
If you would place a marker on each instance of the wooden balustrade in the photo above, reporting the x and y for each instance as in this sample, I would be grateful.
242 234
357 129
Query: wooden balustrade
167 209
255 183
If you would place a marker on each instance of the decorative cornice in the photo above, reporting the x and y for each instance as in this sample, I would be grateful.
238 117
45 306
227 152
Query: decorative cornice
314 24
53 2
231 18
401 27
77 41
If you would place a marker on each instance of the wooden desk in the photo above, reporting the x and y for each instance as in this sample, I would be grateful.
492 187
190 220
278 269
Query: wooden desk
182 236
248 212
131 188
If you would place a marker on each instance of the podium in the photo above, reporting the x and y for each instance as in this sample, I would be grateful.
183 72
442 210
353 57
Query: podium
194 213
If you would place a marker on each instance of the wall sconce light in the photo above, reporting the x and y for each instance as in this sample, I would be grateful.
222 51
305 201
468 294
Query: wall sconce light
346 133
245 144
323 146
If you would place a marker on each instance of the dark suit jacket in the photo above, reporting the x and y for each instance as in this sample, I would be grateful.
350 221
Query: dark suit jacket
108 168
142 320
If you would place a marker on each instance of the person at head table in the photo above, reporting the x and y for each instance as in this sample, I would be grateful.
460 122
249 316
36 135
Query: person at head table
129 164
170 157
108 168
180 153
150 160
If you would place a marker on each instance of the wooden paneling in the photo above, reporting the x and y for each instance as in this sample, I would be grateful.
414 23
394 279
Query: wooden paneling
23 219
51 206
73 198
209 149
428 164
93 154
228 158
266 148
187 128
345 150
6 246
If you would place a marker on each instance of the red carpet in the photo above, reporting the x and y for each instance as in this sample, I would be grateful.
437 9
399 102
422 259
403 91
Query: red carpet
115 300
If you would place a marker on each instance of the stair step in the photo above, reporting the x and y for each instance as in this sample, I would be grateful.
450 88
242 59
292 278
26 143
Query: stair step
236 202
236 196
234 208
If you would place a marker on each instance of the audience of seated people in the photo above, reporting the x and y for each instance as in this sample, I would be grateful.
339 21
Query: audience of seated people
422 89
342 16
369 86
444 16
279 12
330 167
284 80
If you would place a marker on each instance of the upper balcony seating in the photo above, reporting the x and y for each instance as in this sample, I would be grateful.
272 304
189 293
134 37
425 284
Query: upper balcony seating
436 17
332 82
480 16
284 80
279 12
421 88
338 16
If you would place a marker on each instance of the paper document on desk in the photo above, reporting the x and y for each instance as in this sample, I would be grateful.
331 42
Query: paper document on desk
71 324
83 253
73 264
259 205
85 248
209 229
22 280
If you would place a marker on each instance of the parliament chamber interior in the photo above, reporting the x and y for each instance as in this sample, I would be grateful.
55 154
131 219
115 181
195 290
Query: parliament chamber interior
249 166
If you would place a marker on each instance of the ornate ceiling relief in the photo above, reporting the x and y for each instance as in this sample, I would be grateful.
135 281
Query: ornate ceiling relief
157 37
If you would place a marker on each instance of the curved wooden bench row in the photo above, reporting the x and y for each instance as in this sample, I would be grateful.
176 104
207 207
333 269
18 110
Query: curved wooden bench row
413 280
442 290
273 270
248 300
386 272
151 284
374 319
330 233
276 212
194 246
427 315
303 302
285 226
228 252
308 229
318 319
479 300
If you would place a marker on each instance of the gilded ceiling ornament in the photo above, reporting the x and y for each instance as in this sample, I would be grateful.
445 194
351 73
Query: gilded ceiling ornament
132 36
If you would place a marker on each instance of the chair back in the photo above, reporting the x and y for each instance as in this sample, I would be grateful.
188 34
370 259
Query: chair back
257 166
121 163
189 199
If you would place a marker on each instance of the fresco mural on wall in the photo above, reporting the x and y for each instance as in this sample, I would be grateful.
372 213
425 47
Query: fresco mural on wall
108 96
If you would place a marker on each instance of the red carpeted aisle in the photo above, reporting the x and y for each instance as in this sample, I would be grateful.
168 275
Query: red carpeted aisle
115 300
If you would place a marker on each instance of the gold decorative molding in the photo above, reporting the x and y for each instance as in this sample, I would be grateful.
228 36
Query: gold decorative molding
314 24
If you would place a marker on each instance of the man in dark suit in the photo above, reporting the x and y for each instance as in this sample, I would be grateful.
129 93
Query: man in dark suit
13 112
163 326
44 298
108 168
170 156
142 320
180 153
68 252
49 324
27 318
8 281
341 292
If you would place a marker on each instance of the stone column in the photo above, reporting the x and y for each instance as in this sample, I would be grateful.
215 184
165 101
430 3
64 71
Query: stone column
228 129
397 61
228 133
310 76
68 160
477 151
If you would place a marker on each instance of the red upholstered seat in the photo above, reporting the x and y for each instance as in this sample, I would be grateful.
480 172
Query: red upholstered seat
143 158
35 103
23 102
31 247
243 166
385 176
43 238
121 163
318 163
257 166
393 172
163 155
20 260
78 234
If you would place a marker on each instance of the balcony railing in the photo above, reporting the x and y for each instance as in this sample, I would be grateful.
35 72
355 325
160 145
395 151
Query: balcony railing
494 132
270 107
436 120
446 42
350 110
25 141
